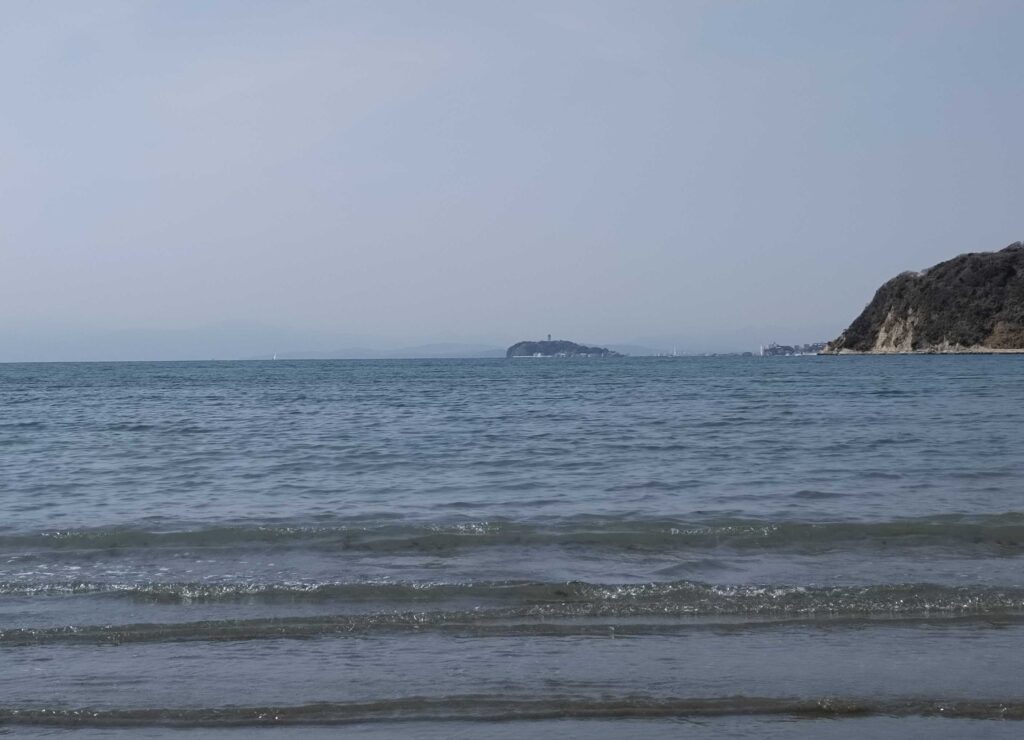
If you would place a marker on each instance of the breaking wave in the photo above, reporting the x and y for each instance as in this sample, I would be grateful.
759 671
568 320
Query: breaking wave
1000 533
538 609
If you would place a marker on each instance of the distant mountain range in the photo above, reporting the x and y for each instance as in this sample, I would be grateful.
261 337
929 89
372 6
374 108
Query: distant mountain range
253 341
439 350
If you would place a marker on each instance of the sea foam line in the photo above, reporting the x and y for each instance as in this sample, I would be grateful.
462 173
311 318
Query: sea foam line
676 597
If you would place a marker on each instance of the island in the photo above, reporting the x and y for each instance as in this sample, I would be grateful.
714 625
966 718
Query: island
557 348
973 303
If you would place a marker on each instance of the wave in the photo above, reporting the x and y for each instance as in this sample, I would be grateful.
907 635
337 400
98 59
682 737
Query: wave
497 624
488 708
1000 533
683 597
572 609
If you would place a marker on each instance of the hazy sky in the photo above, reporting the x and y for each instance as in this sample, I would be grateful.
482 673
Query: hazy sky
597 170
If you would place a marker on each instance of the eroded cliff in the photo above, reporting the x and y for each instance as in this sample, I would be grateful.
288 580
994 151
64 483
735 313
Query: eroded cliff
971 303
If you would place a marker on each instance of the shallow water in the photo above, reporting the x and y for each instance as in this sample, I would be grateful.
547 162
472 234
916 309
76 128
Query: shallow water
740 547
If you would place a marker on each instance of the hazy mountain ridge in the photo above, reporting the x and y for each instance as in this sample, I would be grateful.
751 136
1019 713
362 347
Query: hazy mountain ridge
249 340
436 350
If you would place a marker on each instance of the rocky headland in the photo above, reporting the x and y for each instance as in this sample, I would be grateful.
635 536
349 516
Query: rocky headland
557 348
973 303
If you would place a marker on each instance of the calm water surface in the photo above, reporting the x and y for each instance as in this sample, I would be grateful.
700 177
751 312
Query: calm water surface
699 547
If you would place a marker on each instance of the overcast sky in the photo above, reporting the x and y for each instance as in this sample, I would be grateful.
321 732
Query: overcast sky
443 170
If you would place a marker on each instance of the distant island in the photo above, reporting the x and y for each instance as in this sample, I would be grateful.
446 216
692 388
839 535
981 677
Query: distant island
973 303
557 348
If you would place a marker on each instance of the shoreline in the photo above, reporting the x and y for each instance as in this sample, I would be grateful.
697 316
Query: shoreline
936 351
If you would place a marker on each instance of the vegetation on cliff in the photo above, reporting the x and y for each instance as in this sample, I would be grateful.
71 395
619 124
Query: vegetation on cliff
971 303
557 348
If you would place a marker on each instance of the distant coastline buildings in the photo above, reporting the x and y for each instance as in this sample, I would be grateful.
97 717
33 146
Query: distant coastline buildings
795 350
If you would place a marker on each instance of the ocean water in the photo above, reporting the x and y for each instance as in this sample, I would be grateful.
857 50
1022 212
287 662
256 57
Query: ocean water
695 547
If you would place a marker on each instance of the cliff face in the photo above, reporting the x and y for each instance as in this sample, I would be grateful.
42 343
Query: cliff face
971 303
557 348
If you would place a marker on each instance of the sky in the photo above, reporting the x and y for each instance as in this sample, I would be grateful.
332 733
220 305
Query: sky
412 172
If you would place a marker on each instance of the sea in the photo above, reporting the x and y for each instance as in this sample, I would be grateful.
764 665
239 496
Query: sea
699 547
